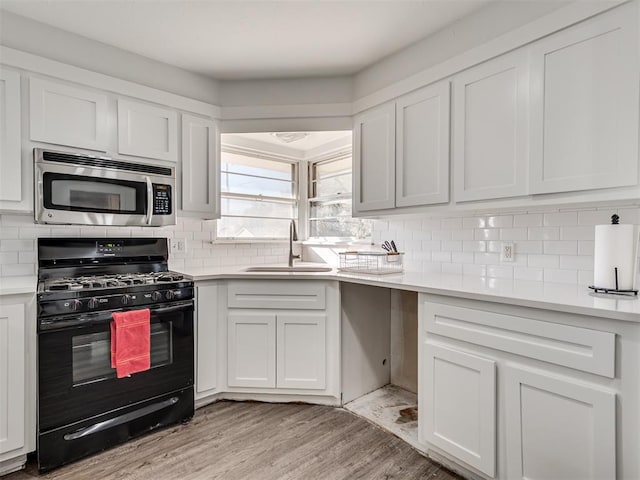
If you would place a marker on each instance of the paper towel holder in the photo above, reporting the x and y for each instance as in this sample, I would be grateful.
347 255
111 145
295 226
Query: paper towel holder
615 220
613 291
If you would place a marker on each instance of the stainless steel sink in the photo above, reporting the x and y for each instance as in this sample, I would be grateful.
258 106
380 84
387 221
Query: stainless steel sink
295 268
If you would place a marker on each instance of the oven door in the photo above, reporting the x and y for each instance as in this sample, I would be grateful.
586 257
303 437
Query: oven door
76 194
75 378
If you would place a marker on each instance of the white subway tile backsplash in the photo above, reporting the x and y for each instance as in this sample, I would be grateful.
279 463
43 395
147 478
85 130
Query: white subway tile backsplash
451 223
522 273
560 276
504 221
486 234
560 219
576 262
543 261
561 247
514 234
553 245
594 217
585 247
577 233
466 234
528 220
462 257
497 271
544 233
474 246
474 222
441 257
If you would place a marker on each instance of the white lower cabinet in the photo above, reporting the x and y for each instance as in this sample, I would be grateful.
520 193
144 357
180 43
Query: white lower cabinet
458 405
295 342
511 392
283 337
301 351
17 381
557 428
251 351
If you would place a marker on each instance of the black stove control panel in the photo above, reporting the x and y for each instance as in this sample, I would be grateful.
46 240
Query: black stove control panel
113 301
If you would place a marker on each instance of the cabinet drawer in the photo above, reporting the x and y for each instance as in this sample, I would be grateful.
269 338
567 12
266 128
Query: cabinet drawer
280 294
574 347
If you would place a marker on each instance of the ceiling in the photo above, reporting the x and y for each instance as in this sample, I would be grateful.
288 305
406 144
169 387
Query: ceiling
238 39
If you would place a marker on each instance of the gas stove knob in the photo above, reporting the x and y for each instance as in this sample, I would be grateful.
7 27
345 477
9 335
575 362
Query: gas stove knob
125 299
75 305
156 296
93 302
169 295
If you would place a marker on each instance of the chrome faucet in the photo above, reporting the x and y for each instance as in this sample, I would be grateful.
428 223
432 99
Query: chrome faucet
293 237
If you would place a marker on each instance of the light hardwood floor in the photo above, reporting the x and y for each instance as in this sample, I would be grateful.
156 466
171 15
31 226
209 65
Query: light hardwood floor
261 441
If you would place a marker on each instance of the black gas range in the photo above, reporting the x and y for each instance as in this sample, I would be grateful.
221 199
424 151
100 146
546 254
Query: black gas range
83 407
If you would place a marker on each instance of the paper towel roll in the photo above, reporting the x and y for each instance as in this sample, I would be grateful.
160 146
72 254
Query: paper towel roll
615 246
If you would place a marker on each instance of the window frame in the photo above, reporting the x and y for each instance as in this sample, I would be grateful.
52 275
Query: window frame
296 201
334 156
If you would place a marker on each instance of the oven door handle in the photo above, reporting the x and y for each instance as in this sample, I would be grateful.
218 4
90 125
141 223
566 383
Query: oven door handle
175 308
119 420
149 200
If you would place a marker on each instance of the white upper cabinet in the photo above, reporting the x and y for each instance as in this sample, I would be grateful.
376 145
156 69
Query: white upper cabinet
422 147
200 167
401 152
66 115
147 131
10 152
374 159
490 148
584 99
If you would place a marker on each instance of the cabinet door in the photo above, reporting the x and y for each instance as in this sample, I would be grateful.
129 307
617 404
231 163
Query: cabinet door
490 149
584 127
457 401
374 159
200 167
12 377
301 350
251 350
207 337
10 153
147 131
557 428
66 115
422 147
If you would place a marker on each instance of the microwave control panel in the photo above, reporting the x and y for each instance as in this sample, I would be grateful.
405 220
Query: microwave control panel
161 199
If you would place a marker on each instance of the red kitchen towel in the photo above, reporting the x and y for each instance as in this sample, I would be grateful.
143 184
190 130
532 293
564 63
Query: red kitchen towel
130 342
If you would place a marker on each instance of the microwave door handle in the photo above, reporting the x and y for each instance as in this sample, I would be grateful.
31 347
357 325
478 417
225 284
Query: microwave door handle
149 200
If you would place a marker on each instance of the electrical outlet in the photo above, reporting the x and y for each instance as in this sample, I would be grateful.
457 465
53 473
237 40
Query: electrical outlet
178 245
507 253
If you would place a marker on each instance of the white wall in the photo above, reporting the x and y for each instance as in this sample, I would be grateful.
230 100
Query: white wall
487 23
37 38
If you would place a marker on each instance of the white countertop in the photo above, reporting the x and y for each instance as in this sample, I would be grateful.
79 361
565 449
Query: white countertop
18 285
553 296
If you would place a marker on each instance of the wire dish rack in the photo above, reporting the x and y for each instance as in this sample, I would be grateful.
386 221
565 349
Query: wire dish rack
379 263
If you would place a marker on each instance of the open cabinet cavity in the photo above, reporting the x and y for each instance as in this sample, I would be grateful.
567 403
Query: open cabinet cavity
379 357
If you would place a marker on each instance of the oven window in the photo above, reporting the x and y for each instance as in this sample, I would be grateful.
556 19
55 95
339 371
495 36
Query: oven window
92 194
92 353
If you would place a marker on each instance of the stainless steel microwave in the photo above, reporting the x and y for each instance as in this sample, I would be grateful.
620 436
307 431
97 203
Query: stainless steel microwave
81 189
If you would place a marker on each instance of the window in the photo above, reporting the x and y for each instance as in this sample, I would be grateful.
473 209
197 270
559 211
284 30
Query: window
330 205
269 179
259 195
